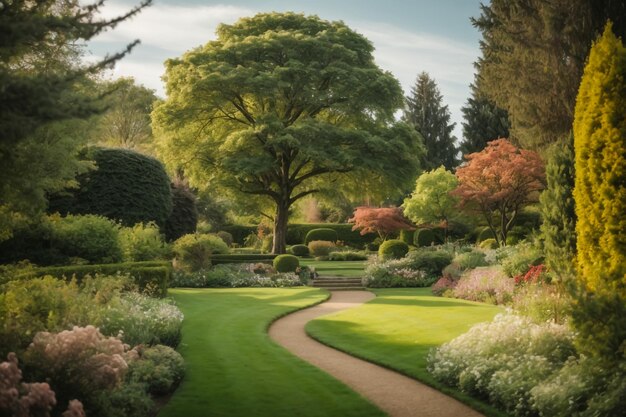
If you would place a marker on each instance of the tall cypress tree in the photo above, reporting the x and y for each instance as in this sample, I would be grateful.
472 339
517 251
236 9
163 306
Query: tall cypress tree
484 122
427 114
558 209
600 195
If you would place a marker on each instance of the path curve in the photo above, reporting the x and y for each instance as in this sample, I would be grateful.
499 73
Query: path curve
395 394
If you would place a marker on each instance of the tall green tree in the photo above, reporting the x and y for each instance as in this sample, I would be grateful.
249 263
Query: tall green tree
558 210
533 55
278 107
45 98
600 196
484 122
426 112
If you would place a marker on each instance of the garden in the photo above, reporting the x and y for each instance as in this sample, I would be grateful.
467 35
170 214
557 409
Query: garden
148 243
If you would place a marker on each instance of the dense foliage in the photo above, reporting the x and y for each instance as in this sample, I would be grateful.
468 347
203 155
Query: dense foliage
393 249
193 252
184 216
600 195
126 186
286 263
324 233
384 221
265 96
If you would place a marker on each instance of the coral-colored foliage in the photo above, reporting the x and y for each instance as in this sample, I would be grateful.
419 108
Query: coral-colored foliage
383 221
499 181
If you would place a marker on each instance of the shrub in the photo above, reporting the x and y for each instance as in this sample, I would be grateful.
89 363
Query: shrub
542 302
520 258
425 237
226 237
142 242
432 262
394 274
193 252
407 236
503 360
240 232
486 284
321 247
490 243
127 186
183 218
300 250
93 238
235 275
160 367
347 256
470 260
393 249
286 263
296 233
322 234
443 285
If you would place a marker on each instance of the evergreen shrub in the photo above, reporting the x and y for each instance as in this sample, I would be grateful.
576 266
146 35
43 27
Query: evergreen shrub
300 250
325 234
286 263
393 249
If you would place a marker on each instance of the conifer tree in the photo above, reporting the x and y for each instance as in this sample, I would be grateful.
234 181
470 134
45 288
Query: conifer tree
427 114
600 196
557 209
484 122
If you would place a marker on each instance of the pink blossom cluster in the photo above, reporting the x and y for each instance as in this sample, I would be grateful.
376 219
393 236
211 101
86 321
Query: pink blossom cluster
485 284
100 360
23 399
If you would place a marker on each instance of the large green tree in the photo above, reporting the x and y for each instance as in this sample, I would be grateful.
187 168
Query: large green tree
484 122
533 55
45 96
426 112
278 107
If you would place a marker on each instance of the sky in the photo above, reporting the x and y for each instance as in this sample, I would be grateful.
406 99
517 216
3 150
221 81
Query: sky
409 36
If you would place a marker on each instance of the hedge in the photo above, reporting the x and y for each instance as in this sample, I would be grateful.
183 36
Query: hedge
239 258
240 232
153 276
325 234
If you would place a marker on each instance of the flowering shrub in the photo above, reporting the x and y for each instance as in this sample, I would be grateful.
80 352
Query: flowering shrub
486 284
516 260
394 273
239 275
503 360
443 285
160 367
140 319
533 275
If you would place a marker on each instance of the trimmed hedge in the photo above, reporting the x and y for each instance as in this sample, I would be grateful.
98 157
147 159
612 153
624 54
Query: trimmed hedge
152 276
286 263
393 249
241 258
127 186
326 234
300 250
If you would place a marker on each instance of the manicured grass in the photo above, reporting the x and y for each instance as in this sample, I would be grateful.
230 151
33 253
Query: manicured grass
336 268
400 327
235 369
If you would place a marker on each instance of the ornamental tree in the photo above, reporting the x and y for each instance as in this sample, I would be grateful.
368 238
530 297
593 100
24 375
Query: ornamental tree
431 202
384 221
280 106
600 196
498 182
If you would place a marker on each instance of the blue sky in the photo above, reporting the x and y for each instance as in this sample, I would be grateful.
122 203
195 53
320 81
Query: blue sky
409 36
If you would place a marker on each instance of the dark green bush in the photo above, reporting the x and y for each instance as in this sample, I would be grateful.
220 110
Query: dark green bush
126 186
226 237
325 234
183 218
430 261
286 263
347 256
407 236
393 249
426 237
240 232
300 250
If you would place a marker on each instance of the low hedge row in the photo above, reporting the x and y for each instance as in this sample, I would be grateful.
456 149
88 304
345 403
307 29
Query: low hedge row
153 276
238 258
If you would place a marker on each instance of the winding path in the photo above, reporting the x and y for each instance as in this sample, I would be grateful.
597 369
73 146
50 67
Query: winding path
395 394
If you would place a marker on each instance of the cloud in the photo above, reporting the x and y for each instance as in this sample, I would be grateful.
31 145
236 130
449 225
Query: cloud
167 31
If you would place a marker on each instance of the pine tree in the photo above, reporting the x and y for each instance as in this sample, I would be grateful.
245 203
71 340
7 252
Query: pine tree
558 210
484 122
600 196
427 114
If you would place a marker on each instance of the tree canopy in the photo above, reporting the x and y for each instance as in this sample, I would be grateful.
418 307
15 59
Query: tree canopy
383 220
426 112
498 182
278 107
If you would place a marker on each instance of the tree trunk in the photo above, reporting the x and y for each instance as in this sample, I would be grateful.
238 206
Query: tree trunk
280 227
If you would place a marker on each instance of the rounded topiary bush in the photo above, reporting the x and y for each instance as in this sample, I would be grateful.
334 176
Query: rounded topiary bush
126 186
328 235
286 263
193 252
300 250
184 216
425 237
393 249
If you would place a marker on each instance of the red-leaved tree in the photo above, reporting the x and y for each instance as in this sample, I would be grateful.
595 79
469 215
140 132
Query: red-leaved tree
383 221
498 182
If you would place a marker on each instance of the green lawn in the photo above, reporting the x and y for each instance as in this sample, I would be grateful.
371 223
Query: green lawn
399 327
234 369
336 268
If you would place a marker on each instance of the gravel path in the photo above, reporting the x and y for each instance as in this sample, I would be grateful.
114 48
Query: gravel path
396 394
